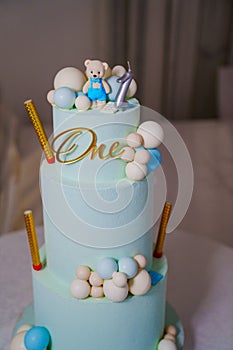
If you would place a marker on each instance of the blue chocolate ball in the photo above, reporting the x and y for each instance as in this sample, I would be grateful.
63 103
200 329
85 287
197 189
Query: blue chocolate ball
64 97
106 267
37 338
155 159
129 266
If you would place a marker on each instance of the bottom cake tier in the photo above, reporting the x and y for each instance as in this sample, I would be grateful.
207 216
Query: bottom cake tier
171 317
136 323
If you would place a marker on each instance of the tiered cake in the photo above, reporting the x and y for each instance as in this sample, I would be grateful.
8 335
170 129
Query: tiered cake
99 286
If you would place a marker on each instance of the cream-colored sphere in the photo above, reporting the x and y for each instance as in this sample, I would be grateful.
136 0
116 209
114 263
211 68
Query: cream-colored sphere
50 96
170 329
141 261
128 154
82 103
80 289
135 171
170 337
69 77
17 342
119 279
114 293
107 73
166 344
118 71
142 156
152 134
97 292
23 328
134 140
95 279
83 272
140 284
132 89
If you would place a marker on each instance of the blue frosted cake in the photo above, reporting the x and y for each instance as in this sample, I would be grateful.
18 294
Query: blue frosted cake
99 283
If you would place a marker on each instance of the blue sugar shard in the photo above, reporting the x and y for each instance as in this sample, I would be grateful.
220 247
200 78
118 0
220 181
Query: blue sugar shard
155 277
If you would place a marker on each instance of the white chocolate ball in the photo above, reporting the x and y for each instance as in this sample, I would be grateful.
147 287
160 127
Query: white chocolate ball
170 337
69 77
107 73
141 261
50 96
170 329
118 70
95 279
97 292
119 279
17 342
140 284
80 289
166 344
23 328
82 103
132 89
152 134
134 140
135 171
142 156
114 293
83 272
128 155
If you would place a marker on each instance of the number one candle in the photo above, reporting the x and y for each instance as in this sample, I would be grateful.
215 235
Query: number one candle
32 240
35 119
158 252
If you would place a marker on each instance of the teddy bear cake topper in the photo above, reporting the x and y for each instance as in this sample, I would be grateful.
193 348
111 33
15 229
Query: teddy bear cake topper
99 87
96 87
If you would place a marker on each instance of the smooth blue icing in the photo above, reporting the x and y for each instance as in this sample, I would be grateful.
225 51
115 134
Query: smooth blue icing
136 323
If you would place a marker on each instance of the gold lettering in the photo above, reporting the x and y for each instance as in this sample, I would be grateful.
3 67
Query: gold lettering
114 148
99 150
75 132
68 145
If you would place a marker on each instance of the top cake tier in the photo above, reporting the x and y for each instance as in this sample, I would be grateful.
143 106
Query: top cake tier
92 142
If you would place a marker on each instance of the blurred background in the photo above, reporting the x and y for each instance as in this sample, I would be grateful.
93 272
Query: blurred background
181 53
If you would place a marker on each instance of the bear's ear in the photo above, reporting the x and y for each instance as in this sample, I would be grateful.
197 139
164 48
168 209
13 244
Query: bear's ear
87 62
105 66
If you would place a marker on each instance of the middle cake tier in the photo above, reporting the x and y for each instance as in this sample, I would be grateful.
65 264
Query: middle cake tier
86 222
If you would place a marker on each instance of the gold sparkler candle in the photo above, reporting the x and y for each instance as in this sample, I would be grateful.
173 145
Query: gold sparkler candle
158 252
32 240
38 127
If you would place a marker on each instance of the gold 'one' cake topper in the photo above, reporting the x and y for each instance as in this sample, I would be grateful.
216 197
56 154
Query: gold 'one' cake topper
68 137
32 240
38 127
158 252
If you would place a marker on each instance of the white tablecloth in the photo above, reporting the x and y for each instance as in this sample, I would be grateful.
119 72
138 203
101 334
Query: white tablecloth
200 287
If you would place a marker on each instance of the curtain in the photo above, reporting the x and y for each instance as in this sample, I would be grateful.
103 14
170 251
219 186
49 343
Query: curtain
176 48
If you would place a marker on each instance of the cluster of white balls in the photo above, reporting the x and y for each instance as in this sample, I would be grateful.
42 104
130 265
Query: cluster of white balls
112 280
88 283
141 146
68 84
169 340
